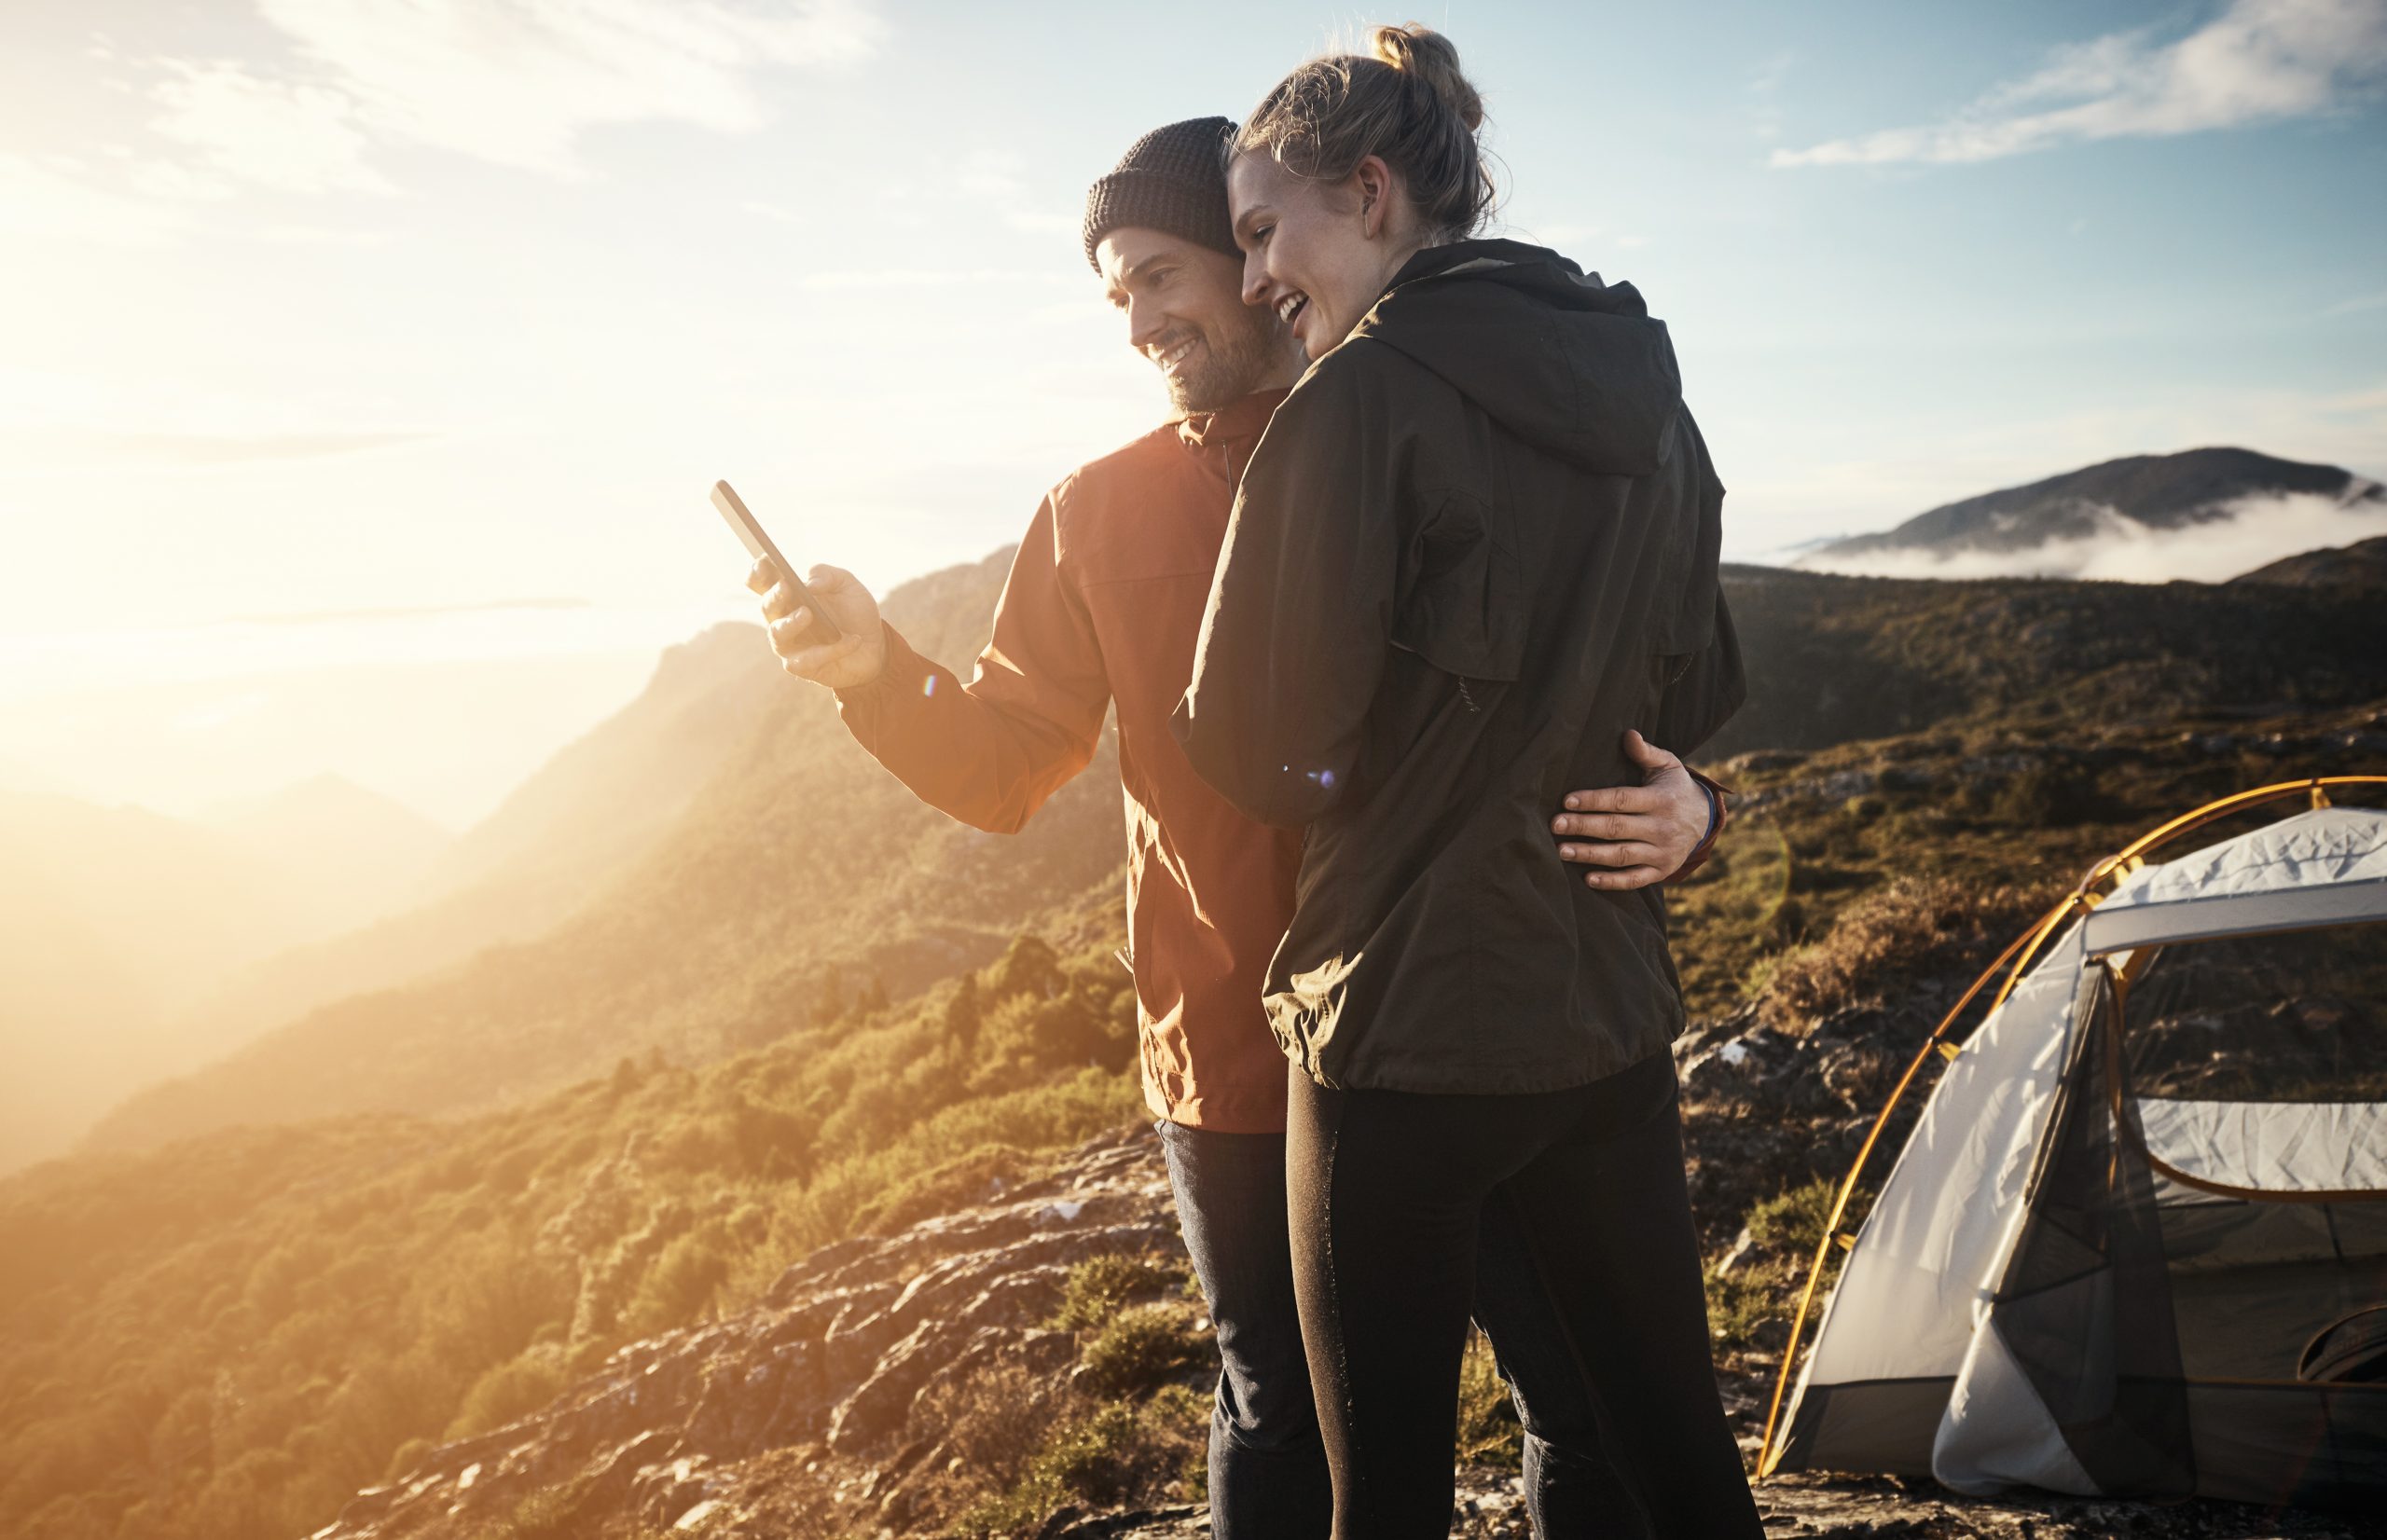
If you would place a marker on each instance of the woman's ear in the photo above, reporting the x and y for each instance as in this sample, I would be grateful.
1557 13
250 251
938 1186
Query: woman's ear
1374 180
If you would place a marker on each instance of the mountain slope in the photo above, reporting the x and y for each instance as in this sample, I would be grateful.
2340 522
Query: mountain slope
801 875
111 918
2362 565
546 849
2171 491
346 853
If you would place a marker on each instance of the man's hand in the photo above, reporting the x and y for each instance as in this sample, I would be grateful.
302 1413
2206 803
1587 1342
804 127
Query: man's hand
1632 836
855 658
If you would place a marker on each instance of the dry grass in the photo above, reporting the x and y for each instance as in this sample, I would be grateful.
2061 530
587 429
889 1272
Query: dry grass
1916 925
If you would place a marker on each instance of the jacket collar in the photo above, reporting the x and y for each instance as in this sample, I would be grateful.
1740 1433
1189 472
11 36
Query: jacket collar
1232 430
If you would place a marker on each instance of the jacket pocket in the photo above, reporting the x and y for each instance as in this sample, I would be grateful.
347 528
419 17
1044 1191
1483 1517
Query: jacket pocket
1462 598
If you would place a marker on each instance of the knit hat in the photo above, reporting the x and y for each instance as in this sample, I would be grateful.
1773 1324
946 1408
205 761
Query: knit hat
1172 179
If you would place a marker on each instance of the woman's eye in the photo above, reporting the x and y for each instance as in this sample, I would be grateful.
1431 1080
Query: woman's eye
1262 233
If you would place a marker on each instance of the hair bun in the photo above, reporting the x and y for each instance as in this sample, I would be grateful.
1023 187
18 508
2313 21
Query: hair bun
1429 56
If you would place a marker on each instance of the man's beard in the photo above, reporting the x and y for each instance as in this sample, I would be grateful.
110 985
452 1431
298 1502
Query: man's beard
1228 367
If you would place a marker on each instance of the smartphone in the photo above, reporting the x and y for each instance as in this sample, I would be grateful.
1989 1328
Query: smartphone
822 630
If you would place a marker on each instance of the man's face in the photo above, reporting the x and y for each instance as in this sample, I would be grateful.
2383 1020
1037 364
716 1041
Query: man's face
1185 312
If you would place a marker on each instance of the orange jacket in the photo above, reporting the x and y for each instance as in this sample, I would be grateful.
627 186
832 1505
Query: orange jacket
1103 605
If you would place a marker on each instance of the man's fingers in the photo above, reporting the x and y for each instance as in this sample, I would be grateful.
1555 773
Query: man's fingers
778 602
830 580
764 575
1621 853
1616 799
1632 877
1598 826
809 661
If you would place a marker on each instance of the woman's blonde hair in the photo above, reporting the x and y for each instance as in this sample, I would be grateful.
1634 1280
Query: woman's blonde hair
1405 101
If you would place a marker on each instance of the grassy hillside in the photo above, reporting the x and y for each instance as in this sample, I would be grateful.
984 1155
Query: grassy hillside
226 1338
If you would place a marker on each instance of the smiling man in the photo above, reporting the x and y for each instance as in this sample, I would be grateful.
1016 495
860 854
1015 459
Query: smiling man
1101 610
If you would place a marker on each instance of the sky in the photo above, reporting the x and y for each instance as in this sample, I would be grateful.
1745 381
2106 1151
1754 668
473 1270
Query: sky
365 363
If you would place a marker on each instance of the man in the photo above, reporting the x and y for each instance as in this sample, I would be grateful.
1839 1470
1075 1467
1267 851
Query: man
1101 609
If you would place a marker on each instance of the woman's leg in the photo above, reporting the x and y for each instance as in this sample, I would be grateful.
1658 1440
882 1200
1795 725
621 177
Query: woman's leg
1384 1190
1606 1215
1573 1487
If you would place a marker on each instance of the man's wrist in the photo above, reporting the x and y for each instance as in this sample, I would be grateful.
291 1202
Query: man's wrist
1717 812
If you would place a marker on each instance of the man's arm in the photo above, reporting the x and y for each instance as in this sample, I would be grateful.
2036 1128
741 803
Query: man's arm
1300 616
991 751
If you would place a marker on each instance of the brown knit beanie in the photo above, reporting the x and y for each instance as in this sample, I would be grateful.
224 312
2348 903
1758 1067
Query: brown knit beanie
1174 180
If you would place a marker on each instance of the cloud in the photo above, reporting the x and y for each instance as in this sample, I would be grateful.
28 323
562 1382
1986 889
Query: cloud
514 83
236 127
2259 60
2254 532
518 82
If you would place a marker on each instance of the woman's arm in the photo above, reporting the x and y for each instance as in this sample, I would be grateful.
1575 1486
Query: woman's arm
1293 641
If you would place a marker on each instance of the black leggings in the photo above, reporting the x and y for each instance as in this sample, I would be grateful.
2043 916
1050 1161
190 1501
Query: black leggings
1386 1189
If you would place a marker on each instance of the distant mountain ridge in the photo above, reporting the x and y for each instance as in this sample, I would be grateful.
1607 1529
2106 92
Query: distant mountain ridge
2174 491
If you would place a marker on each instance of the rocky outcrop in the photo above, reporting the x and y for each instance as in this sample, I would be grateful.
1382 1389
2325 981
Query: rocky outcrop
678 1428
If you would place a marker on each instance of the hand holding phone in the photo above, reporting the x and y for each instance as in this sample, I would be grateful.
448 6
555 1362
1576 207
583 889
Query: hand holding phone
827 631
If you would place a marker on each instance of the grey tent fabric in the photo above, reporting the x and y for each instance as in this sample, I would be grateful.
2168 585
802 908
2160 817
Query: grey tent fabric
2146 1184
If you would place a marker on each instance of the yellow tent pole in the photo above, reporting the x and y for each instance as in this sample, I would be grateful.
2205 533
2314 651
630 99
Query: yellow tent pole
2028 943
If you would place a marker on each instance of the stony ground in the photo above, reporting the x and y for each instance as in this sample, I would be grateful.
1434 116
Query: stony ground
790 1418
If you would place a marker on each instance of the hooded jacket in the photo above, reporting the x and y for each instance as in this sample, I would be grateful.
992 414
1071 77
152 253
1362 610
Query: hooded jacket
1477 542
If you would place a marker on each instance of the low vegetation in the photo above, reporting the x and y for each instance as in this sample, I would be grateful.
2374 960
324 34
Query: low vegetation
229 1337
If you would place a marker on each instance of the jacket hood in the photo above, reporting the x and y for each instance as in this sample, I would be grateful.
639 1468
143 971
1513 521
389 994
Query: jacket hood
1572 365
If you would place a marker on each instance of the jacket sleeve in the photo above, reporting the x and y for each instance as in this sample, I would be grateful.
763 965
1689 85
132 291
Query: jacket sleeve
1293 641
990 754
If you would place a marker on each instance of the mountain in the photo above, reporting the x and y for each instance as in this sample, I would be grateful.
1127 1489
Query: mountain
551 845
345 854
112 917
801 873
2137 494
2362 565
798 877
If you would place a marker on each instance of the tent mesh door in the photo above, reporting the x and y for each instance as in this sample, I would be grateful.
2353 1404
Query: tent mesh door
2085 1305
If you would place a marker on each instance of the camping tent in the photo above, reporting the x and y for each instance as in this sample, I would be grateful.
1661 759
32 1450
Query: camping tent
2137 1245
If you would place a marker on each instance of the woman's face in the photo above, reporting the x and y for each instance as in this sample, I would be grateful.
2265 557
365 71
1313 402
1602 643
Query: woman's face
1318 254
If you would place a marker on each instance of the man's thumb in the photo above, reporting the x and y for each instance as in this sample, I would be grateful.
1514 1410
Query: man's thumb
1647 755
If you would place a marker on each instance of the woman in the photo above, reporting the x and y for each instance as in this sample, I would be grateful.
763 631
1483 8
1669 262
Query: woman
1477 544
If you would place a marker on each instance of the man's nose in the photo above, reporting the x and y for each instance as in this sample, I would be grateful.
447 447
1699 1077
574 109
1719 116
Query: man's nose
1147 323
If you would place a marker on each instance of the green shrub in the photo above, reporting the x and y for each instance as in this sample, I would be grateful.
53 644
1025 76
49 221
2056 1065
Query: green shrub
1100 1286
513 1389
1142 1350
1111 1455
1489 1430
